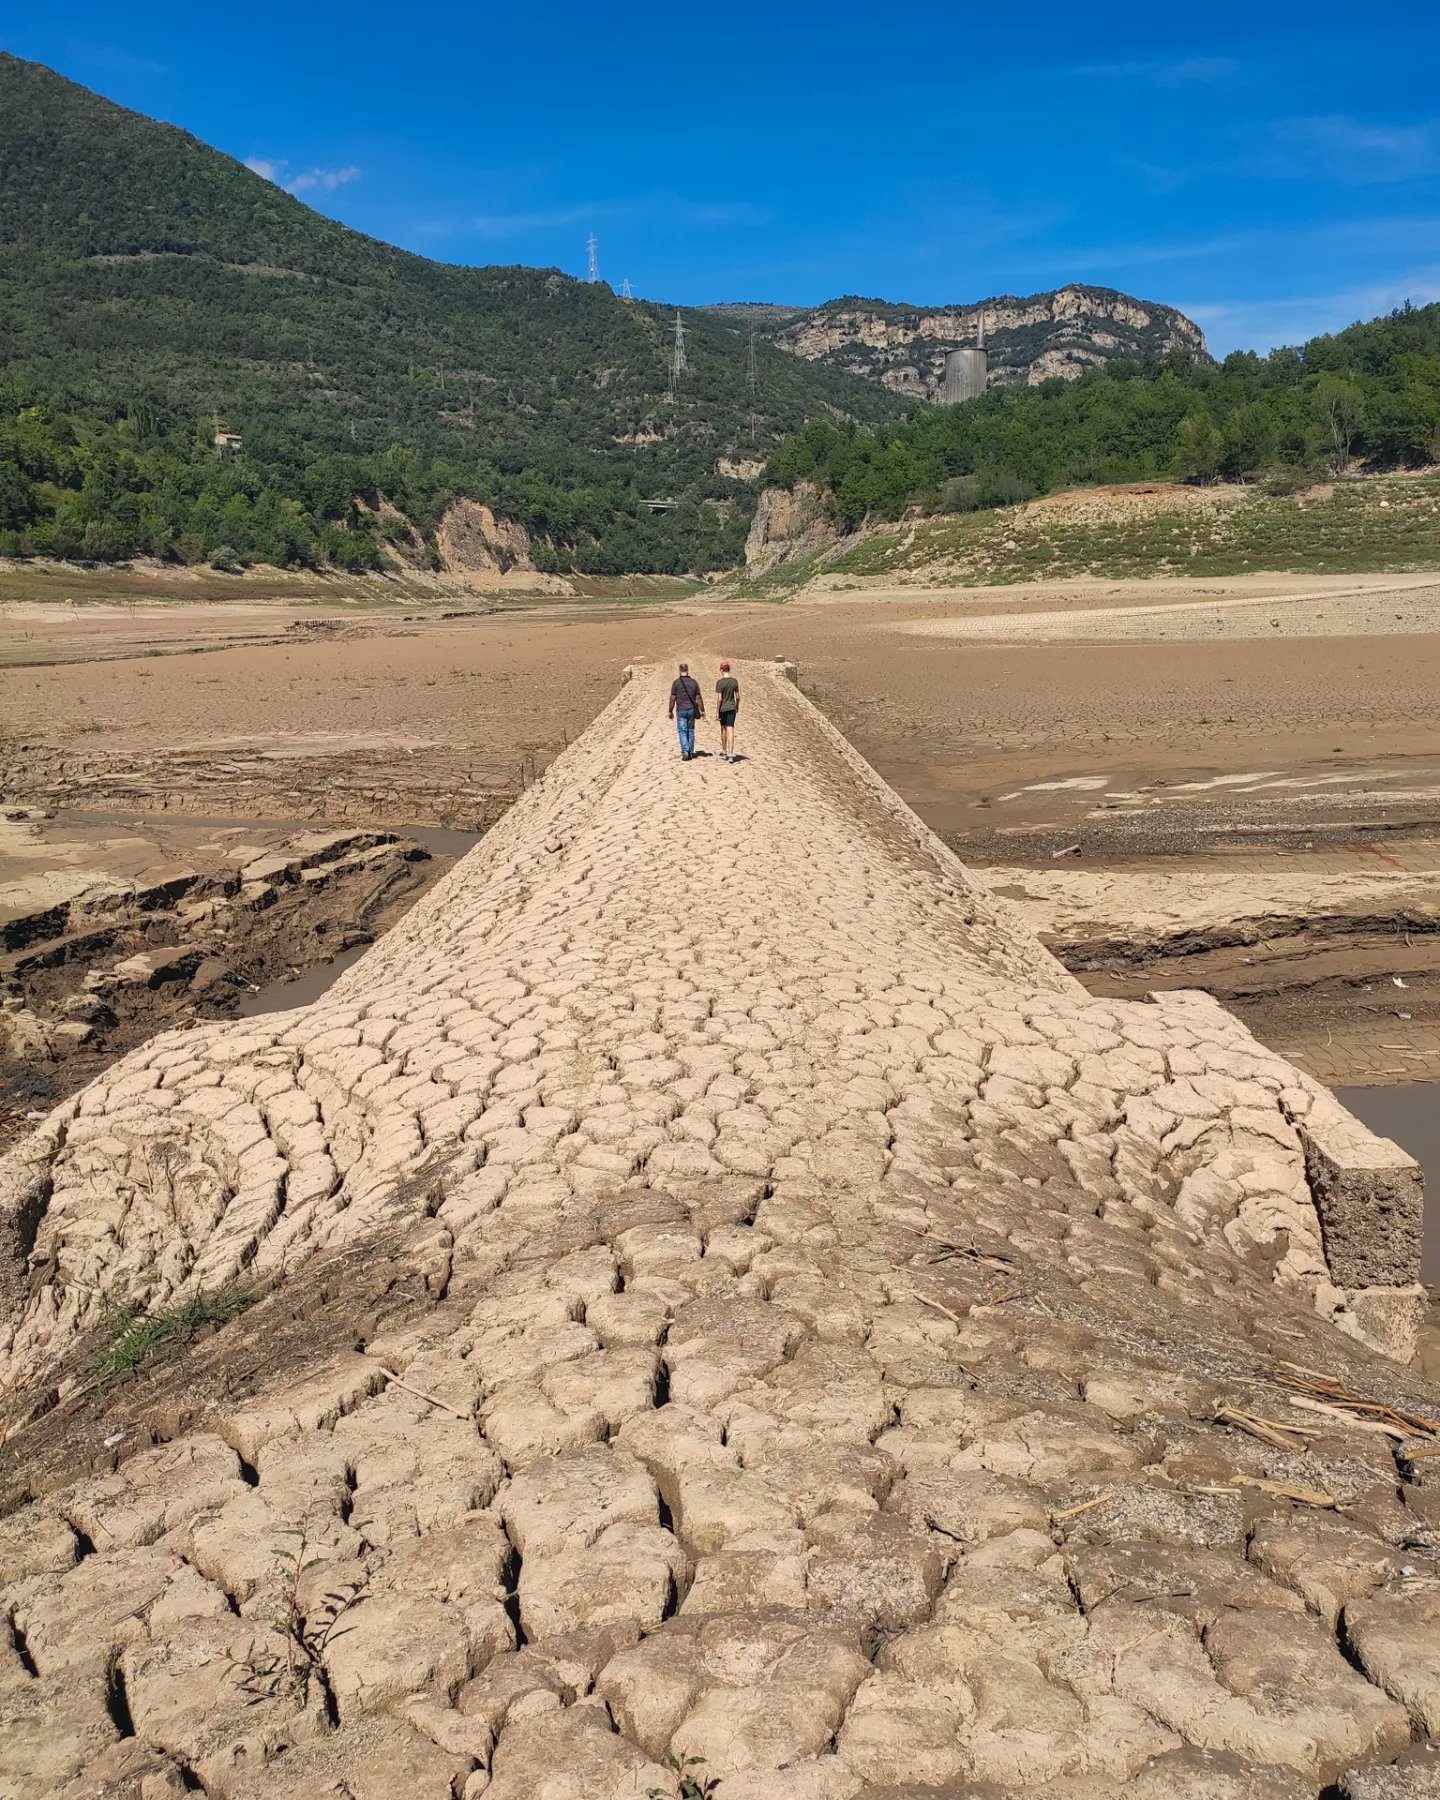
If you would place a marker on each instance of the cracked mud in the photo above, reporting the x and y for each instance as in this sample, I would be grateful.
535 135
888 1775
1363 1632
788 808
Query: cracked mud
730 1292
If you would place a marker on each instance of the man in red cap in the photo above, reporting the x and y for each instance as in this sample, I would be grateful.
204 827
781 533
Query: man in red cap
727 704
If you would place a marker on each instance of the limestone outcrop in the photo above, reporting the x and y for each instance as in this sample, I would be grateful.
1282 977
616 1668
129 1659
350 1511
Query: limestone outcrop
730 1294
790 525
472 540
1030 339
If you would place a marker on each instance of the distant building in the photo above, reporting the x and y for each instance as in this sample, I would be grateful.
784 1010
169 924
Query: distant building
228 441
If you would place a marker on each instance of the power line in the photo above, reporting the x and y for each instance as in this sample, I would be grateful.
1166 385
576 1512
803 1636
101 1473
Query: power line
677 358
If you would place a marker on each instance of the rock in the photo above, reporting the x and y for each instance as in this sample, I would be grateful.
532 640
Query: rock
1396 1636
629 1572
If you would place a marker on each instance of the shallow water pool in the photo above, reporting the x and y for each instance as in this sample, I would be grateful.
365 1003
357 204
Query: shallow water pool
1410 1114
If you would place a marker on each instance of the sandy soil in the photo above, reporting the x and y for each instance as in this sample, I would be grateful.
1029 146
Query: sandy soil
1402 606
976 736
1014 750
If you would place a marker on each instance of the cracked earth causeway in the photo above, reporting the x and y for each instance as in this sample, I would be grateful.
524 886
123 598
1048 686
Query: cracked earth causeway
825 1309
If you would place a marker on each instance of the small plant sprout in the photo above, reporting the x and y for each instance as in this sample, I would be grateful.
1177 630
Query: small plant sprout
266 1675
684 1785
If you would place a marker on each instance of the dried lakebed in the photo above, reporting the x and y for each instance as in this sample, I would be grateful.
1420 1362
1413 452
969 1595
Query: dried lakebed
807 1333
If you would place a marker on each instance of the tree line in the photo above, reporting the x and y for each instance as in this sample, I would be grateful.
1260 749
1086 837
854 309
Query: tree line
1368 395
151 483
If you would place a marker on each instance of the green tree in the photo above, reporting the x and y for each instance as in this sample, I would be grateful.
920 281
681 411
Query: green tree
1340 405
1199 448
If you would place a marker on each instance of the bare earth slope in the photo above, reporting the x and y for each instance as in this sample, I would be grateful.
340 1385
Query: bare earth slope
735 1295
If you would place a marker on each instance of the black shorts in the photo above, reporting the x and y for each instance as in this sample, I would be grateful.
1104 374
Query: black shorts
727 719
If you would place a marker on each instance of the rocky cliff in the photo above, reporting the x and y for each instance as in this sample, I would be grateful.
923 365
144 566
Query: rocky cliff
472 540
1029 340
790 524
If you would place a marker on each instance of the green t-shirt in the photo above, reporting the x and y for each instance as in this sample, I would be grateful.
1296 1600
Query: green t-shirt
727 693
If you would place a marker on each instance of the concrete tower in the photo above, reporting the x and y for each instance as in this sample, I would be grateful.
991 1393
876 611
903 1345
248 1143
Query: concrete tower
967 372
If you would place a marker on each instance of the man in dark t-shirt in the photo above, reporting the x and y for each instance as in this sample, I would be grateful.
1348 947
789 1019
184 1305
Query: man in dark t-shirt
727 704
686 705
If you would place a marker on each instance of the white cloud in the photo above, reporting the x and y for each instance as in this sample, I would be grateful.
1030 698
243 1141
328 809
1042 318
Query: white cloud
1352 149
271 168
324 178
1262 324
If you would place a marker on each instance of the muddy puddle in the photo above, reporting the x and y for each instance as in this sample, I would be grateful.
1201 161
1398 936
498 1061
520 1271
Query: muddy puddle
311 984
1410 1114
299 990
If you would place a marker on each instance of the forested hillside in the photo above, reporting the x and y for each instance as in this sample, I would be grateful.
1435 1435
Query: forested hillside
1368 395
152 288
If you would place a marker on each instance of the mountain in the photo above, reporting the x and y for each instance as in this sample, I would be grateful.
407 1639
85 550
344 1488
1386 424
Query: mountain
153 291
195 365
1366 398
1030 339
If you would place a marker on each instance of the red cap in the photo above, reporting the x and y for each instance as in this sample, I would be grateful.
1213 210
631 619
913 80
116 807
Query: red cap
725 668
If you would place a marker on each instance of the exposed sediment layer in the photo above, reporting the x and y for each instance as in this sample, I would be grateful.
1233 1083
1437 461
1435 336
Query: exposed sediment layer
821 1310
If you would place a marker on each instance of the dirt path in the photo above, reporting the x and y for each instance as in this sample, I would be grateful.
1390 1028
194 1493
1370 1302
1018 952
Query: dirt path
735 1297
386 719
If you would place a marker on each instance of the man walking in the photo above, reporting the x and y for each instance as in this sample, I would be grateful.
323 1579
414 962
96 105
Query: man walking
727 704
686 705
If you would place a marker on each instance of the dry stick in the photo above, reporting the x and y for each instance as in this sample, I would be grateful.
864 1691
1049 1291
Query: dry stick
1306 1496
420 1394
948 1251
1071 1511
1339 1412
955 1252
1014 1293
925 1300
1269 1431
1326 1387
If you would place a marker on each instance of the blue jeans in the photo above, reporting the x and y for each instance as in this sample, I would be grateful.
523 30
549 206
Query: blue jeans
685 725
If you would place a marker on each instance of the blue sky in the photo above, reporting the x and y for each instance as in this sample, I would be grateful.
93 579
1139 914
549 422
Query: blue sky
1274 170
